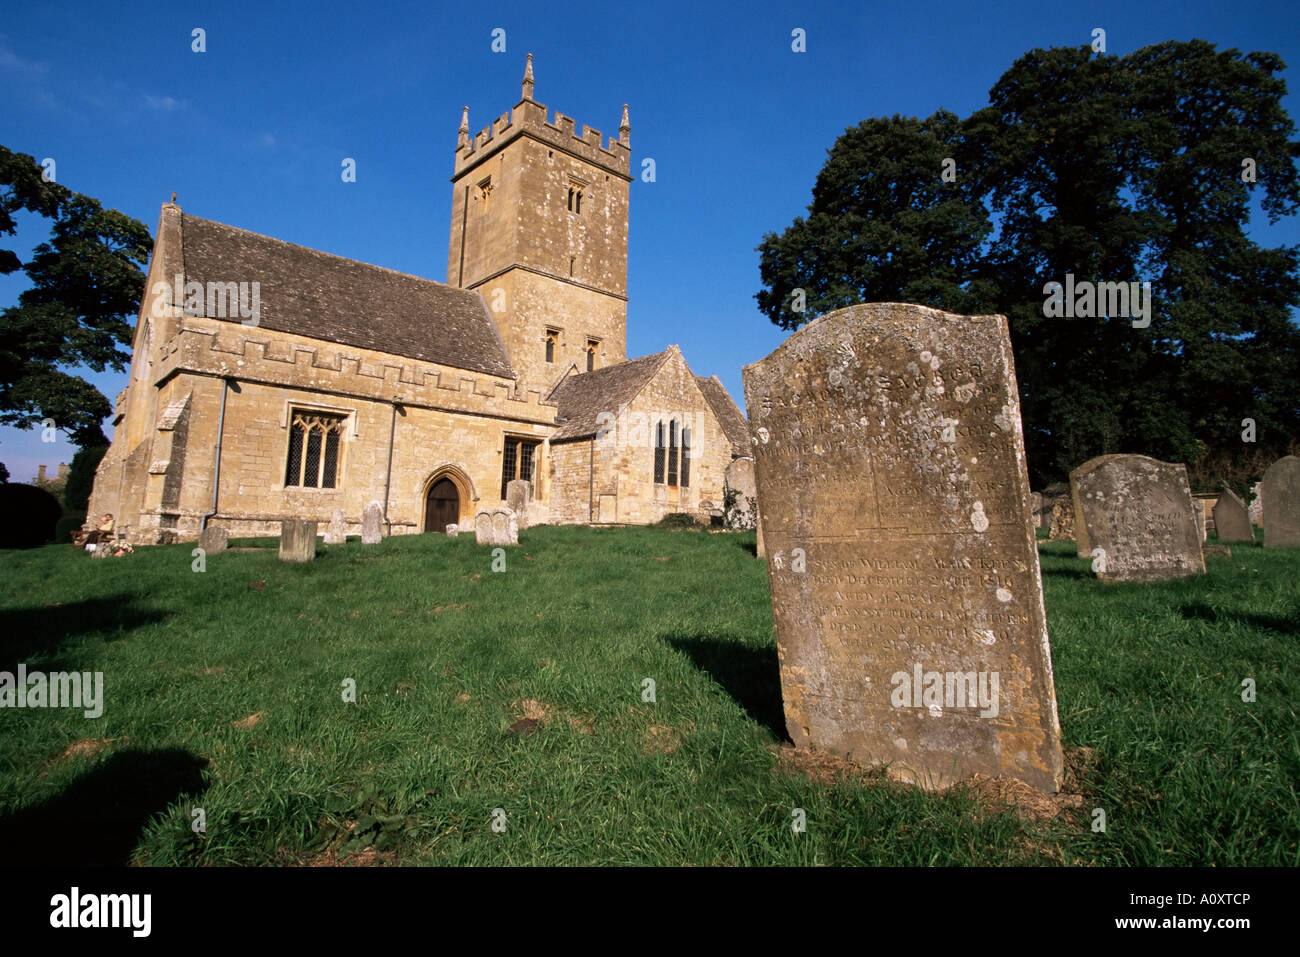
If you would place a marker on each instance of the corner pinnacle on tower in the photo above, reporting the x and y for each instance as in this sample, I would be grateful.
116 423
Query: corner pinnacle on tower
624 128
462 138
528 78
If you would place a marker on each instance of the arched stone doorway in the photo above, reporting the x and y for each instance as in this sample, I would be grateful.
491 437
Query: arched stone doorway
448 497
441 505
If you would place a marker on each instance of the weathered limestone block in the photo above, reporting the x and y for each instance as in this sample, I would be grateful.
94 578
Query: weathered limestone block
372 524
214 539
297 541
1281 493
740 480
336 533
453 531
1257 504
496 526
1231 519
519 495
1139 512
1061 526
902 562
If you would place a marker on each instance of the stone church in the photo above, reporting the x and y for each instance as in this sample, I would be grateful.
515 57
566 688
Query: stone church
271 381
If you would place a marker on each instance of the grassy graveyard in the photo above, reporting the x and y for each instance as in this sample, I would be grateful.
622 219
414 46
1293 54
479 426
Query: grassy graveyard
522 691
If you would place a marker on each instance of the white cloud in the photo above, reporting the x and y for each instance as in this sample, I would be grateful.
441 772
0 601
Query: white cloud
163 104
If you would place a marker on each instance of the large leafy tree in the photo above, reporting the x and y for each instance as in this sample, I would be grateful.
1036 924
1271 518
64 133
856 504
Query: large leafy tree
87 283
1112 169
882 220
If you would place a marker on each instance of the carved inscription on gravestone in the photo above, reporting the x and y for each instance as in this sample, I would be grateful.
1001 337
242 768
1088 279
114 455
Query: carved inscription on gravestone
1137 517
904 574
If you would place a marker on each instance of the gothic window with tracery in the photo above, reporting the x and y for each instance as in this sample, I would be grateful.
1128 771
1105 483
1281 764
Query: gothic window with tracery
314 439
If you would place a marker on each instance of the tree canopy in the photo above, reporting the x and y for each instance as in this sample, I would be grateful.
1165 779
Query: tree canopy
1140 168
87 282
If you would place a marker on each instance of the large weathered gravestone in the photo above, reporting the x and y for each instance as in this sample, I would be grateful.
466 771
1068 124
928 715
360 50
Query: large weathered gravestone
214 539
1139 512
1280 491
336 533
496 526
901 557
743 512
372 523
297 541
1231 520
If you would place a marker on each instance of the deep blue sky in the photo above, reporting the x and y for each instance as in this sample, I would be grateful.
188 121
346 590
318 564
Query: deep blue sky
252 132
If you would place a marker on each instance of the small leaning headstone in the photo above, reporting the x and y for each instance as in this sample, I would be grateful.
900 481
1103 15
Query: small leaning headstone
336 533
297 541
519 494
1231 520
453 531
372 524
214 539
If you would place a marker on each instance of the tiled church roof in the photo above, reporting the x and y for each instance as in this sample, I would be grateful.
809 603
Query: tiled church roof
581 398
306 292
729 416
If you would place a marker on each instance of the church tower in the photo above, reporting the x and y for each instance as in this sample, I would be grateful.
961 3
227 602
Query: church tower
539 228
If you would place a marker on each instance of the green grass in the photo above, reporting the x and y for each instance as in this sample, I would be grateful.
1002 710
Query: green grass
447 655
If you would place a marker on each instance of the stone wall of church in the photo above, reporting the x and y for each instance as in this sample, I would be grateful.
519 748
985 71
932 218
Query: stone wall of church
534 305
622 488
449 422
672 393
571 489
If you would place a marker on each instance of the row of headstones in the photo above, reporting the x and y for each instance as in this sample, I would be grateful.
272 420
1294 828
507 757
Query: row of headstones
298 538
1136 517
895 515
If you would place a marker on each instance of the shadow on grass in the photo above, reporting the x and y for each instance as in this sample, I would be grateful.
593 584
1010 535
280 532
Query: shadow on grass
752 676
1282 624
30 632
751 547
98 820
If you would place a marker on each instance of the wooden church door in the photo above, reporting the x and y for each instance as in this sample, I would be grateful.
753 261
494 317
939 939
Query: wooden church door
442 507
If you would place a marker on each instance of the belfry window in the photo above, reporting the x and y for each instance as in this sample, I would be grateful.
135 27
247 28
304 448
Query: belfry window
313 460
552 336
592 346
575 199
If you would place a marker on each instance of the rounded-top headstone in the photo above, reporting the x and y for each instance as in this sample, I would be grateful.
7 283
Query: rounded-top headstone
1137 518
1280 491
